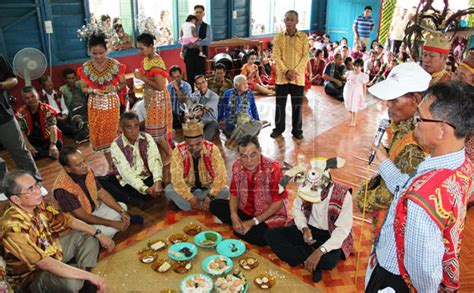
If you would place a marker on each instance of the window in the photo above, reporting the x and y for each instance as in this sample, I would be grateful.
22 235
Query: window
156 17
273 20
114 19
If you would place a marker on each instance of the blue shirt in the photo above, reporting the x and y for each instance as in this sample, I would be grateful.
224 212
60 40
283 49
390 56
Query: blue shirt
364 26
185 89
424 248
224 111
210 100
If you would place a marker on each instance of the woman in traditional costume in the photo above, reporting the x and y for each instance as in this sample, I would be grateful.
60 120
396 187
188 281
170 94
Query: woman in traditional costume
158 121
102 78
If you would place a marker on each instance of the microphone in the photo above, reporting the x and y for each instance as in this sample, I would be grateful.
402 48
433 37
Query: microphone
383 124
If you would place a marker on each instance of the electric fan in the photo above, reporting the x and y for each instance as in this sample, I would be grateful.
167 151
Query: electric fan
29 64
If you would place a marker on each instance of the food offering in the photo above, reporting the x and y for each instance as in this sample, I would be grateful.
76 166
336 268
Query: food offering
196 283
157 245
248 263
264 281
231 248
207 239
182 251
147 256
192 229
177 238
217 265
232 283
182 267
168 291
161 265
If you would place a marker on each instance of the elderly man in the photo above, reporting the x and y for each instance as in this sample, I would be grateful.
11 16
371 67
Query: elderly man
179 91
334 78
290 53
419 243
203 103
255 204
239 111
435 53
78 192
137 168
362 27
198 174
322 234
38 125
403 91
35 254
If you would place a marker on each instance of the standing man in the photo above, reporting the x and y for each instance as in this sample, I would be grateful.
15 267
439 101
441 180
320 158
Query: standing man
362 27
198 173
195 64
179 91
11 137
207 102
397 30
40 241
435 54
419 243
291 55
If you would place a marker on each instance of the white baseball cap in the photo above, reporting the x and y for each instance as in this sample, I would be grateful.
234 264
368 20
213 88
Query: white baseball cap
404 78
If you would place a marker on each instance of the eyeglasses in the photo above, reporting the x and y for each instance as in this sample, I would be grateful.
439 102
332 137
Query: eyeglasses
31 189
418 118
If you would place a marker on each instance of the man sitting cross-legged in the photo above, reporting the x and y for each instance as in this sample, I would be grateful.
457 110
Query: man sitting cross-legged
77 191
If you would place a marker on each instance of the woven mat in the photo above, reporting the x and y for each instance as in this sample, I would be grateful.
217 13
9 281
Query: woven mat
124 273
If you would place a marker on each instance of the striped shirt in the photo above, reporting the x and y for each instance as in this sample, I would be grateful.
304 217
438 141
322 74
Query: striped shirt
364 25
424 248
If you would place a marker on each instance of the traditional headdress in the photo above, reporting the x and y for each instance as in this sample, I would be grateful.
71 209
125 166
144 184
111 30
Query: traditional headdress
193 128
436 42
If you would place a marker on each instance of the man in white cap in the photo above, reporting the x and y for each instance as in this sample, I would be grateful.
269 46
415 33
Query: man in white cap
402 91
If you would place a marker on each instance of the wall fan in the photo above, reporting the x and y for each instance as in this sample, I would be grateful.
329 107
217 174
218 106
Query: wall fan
29 64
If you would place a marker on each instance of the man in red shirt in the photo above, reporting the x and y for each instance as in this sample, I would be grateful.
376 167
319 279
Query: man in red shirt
255 203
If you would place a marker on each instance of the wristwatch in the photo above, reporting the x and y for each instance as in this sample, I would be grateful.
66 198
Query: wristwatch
97 232
323 249
256 221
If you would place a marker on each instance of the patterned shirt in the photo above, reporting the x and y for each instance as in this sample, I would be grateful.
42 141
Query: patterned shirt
134 174
73 97
185 89
232 104
27 239
183 185
210 100
364 26
290 52
424 247
219 89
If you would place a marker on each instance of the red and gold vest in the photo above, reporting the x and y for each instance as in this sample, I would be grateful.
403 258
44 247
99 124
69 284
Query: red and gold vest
206 156
443 194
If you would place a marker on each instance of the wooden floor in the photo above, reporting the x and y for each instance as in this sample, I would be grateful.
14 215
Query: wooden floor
327 133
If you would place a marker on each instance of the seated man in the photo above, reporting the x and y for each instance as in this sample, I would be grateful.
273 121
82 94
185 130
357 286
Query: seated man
76 102
179 91
322 233
77 191
255 203
207 114
38 125
35 254
239 111
334 78
198 173
218 83
137 167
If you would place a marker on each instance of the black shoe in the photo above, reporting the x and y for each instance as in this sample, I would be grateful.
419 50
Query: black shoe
298 135
317 275
275 134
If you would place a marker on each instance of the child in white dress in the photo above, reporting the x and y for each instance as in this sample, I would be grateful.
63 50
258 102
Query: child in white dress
188 34
355 90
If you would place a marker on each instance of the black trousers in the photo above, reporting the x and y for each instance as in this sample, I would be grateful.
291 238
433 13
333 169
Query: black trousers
220 208
42 147
334 91
381 278
127 193
195 64
296 92
395 46
288 244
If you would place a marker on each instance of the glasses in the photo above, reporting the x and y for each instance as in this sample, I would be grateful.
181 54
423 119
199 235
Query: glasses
418 118
31 189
